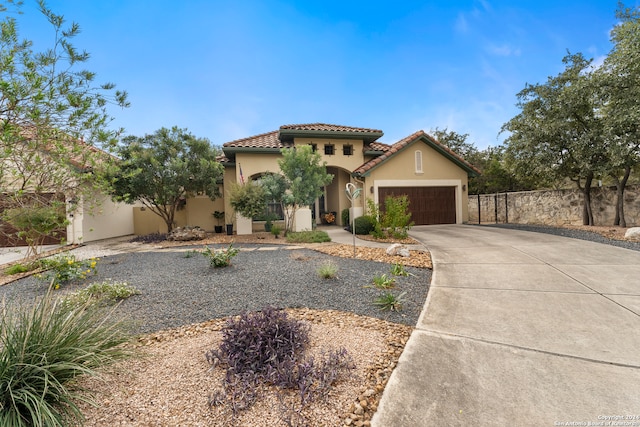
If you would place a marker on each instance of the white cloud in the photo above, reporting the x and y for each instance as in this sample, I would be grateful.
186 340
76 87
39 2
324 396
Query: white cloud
503 50
461 25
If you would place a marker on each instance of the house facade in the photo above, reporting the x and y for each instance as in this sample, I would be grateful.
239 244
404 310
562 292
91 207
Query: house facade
433 177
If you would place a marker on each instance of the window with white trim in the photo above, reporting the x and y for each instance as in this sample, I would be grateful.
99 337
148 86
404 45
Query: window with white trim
418 154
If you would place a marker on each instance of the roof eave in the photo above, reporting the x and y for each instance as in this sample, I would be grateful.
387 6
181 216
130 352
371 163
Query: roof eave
289 134
253 150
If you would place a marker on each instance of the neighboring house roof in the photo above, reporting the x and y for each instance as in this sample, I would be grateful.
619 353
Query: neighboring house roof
367 167
74 150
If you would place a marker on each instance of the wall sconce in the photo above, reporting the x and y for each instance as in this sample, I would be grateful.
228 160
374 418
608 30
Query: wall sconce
464 187
371 189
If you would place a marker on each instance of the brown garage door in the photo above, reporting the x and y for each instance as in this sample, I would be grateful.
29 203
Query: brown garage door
428 205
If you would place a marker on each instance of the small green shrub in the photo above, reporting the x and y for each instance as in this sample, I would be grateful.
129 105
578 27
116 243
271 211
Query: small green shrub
44 348
345 217
64 269
381 281
387 301
315 236
327 270
220 257
19 268
364 224
100 293
397 217
190 254
398 270
275 230
374 215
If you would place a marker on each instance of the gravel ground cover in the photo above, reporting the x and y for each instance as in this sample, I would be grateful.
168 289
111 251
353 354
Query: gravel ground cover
575 233
178 287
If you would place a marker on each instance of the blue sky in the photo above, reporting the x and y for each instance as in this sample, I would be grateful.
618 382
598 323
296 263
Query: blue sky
231 69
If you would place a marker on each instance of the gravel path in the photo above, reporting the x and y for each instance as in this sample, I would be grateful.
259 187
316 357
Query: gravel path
573 233
178 289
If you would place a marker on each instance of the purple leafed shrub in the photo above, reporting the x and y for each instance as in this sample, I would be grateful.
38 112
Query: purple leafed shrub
267 348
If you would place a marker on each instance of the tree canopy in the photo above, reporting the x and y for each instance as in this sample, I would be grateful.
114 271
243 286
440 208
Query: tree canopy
583 123
52 115
164 168
495 176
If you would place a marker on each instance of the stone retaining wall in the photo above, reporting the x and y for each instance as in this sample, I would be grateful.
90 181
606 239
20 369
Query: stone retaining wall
554 207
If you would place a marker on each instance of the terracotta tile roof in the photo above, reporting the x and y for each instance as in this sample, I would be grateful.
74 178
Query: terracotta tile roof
377 146
284 135
264 140
398 146
329 128
78 153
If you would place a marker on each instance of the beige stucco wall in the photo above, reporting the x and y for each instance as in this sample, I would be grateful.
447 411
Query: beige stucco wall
253 164
197 212
437 171
106 219
337 159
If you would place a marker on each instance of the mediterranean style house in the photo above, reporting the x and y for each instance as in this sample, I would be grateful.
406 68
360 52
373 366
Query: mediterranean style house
434 178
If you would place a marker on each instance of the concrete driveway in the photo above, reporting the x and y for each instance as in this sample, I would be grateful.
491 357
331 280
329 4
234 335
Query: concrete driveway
520 329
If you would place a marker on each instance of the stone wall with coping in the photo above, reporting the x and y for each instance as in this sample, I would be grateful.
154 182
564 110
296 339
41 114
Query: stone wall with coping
554 207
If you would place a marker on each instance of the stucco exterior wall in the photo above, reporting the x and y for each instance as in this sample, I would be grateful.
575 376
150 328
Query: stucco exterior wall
437 171
253 164
338 159
104 220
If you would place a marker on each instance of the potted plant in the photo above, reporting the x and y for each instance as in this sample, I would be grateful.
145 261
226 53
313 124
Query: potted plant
329 217
269 218
229 223
219 216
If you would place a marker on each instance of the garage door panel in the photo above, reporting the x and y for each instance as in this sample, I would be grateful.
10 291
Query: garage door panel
428 205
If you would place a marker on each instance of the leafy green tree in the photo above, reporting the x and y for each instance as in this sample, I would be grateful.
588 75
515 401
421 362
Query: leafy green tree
305 174
162 169
559 134
456 142
495 175
52 114
618 86
248 199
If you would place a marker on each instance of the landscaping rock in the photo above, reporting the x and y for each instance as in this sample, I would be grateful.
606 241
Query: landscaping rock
633 233
185 234
398 249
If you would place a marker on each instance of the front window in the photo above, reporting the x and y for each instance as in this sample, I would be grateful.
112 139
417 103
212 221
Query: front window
329 149
347 150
